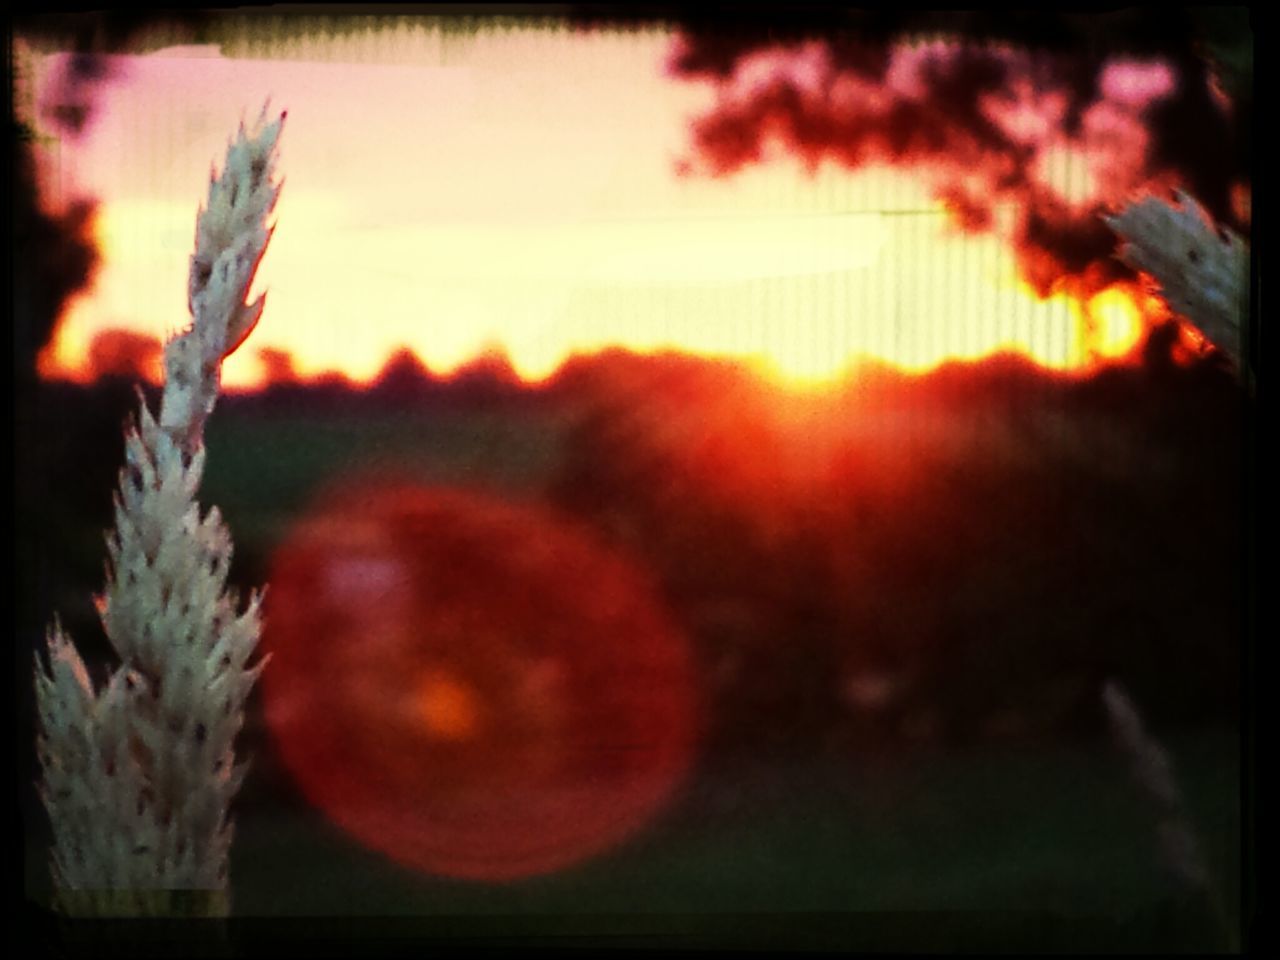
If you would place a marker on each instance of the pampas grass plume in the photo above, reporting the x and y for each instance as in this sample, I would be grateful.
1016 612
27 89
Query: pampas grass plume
138 776
1202 274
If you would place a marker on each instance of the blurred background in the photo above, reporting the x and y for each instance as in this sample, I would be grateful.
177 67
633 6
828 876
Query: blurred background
754 523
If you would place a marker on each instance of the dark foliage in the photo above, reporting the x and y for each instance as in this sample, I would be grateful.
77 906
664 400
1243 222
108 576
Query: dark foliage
968 554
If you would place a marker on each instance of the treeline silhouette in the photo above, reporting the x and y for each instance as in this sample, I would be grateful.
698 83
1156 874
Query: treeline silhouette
970 554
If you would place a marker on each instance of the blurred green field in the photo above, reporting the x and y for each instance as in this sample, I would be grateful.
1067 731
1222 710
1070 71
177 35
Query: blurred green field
1045 849
1058 829
923 848
1003 840
261 476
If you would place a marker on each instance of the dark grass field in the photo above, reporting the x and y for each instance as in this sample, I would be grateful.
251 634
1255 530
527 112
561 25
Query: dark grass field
1053 830
985 842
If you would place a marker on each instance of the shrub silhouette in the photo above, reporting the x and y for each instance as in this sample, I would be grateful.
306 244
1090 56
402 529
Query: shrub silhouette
970 552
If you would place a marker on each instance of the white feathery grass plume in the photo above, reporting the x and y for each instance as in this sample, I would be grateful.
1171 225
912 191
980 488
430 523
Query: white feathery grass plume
1203 275
1153 772
137 777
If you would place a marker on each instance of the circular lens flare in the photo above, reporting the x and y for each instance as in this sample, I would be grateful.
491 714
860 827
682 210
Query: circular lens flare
449 707
472 687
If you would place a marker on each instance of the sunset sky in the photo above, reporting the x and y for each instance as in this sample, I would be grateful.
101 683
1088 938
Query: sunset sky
578 643
522 190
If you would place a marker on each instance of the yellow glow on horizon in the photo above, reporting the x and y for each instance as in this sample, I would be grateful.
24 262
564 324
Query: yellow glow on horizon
800 298
523 199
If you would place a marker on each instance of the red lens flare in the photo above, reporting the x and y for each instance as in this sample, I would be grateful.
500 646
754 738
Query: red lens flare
471 687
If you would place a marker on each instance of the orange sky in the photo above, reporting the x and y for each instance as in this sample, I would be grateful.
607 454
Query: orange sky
519 189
